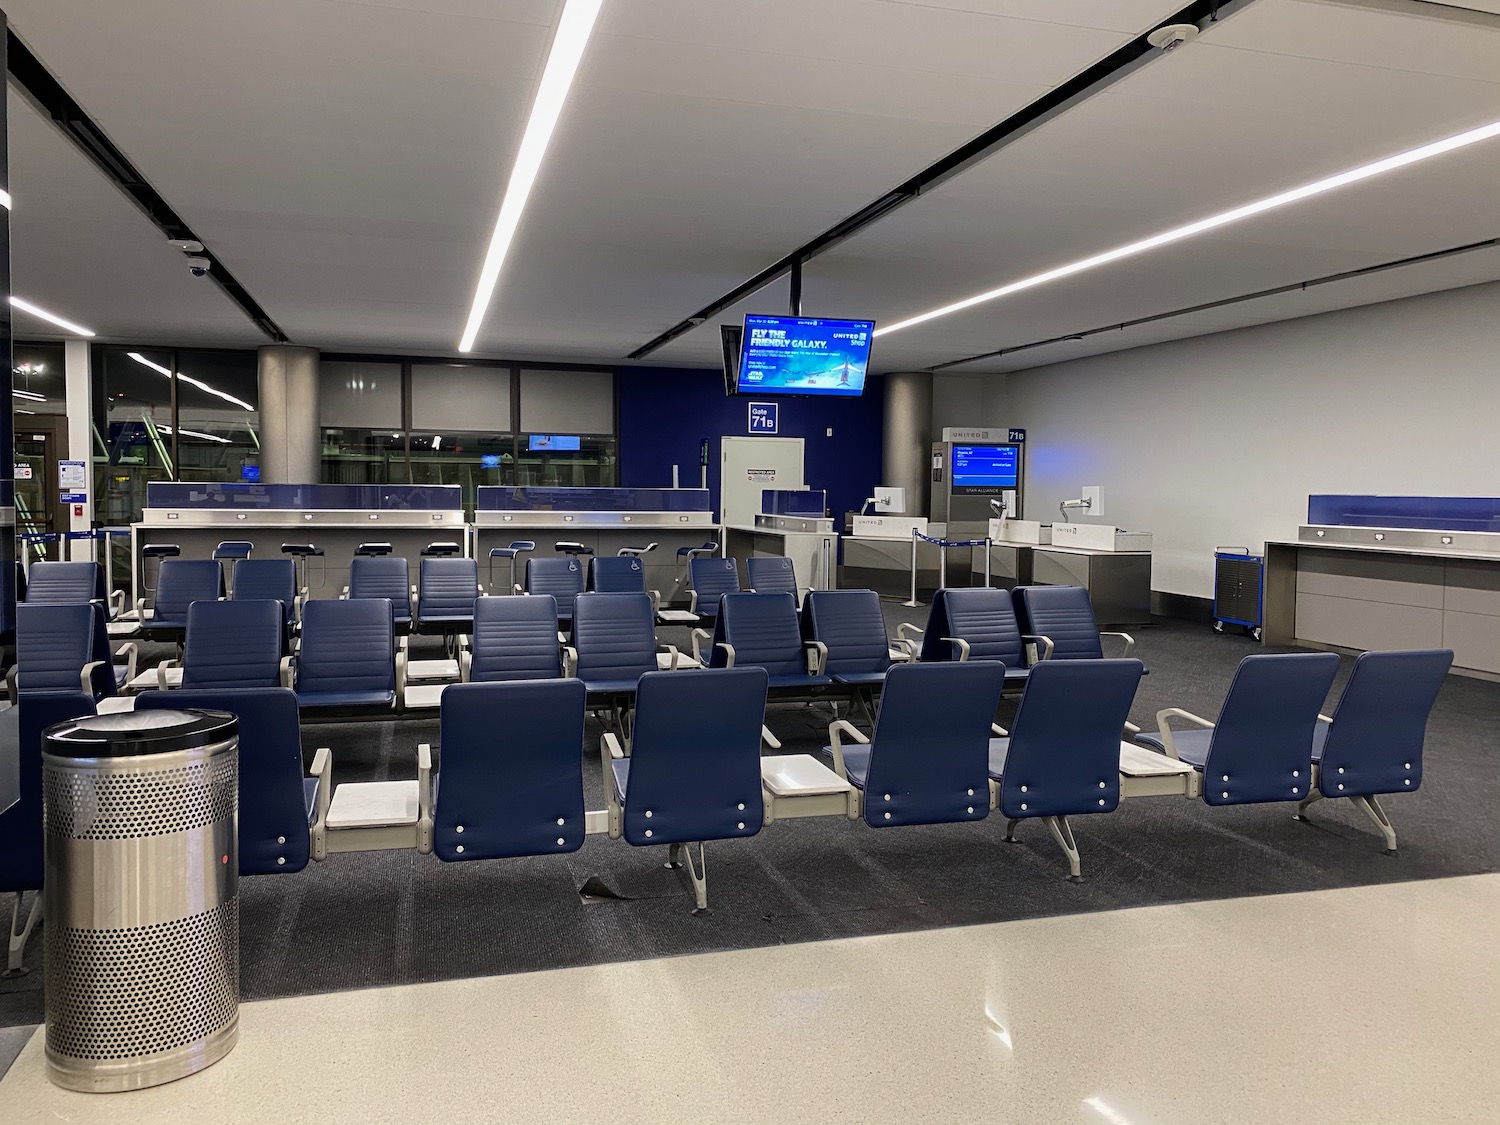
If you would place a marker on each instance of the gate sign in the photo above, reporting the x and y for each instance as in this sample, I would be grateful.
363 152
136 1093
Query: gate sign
1017 436
763 417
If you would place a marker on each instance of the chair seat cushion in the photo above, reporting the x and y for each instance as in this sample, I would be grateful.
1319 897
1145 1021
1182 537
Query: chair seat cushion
999 749
1320 738
856 762
1192 745
620 768
798 681
859 679
310 797
610 687
447 619
346 698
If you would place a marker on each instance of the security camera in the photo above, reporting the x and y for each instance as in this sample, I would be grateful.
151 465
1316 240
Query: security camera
199 265
1172 36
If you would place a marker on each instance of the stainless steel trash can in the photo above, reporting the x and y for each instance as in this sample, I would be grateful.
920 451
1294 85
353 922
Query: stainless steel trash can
141 897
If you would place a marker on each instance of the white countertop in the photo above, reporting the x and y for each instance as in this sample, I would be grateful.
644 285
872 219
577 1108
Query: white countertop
1385 549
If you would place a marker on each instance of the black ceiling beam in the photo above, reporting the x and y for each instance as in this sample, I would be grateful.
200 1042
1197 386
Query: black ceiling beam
1082 86
1326 279
53 102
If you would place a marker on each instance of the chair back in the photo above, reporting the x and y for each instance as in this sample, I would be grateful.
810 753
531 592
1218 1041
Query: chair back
986 619
53 643
21 850
562 577
347 646
771 574
695 757
711 579
63 583
234 644
1261 747
764 632
617 574
274 795
929 757
614 636
233 549
446 588
1064 757
514 639
258 580
511 782
382 576
181 582
1374 744
1065 615
851 624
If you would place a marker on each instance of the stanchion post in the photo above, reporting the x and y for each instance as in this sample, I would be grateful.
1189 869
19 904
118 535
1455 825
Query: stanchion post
912 603
988 543
942 565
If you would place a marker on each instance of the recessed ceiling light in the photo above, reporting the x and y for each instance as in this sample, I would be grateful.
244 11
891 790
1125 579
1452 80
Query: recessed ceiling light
196 434
188 379
1213 222
52 318
572 37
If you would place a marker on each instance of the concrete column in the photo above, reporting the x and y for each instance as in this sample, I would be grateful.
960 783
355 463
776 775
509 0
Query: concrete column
79 393
290 452
907 443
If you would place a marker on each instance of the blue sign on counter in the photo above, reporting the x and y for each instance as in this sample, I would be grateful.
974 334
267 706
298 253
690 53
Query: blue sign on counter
763 417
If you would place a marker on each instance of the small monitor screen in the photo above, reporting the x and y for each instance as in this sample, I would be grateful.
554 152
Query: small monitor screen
250 473
799 355
554 443
489 460
985 470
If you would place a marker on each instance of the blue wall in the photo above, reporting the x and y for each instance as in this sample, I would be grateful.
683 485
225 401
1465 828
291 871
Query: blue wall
665 411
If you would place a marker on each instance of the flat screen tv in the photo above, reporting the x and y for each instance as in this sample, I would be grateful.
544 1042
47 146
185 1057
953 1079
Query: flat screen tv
554 443
985 470
729 340
803 355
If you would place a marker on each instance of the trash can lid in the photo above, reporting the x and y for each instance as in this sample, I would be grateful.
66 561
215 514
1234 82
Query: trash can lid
130 733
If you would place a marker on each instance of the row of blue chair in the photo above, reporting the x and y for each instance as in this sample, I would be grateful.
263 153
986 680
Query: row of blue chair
65 647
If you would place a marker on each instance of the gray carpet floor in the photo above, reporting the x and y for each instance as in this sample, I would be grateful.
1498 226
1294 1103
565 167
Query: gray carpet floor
362 920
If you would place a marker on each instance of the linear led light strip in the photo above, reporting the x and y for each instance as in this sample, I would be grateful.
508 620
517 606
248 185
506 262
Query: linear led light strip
29 396
572 36
1213 222
202 386
51 318
196 434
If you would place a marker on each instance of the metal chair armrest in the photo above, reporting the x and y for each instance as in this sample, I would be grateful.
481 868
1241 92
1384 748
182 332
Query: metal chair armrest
161 673
675 654
286 671
322 769
140 609
570 662
817 657
1126 637
117 600
1322 718
400 700
910 637
1165 728
963 647
1046 643
999 731
698 635
836 743
424 798
87 675
465 663
131 652
728 652
10 683
609 748
692 601
655 600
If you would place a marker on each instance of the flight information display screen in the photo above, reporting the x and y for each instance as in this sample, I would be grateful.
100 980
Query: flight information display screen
555 443
985 470
801 355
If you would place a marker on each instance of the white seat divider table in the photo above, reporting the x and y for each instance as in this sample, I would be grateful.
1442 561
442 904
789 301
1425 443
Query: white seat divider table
798 785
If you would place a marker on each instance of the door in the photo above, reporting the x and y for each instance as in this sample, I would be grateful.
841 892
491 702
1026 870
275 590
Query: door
749 466
34 507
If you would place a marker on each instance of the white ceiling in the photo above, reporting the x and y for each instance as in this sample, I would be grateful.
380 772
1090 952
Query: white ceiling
344 159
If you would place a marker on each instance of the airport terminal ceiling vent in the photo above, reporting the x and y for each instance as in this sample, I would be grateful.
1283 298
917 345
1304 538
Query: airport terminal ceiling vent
58 106
1076 90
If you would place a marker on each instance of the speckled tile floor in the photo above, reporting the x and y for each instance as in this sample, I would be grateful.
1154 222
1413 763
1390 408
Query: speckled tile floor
1355 1005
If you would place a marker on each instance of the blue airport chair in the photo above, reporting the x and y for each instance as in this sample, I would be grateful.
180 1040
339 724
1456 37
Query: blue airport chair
621 574
517 548
447 588
1373 742
1062 756
513 639
614 644
512 776
711 579
21 847
694 768
560 577
179 583
348 656
57 652
259 580
928 762
383 576
772 575
762 630
105 654
1260 748
63 583
235 644
279 807
976 624
1061 620
851 628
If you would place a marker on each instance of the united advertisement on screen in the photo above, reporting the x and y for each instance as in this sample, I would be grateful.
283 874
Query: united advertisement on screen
800 355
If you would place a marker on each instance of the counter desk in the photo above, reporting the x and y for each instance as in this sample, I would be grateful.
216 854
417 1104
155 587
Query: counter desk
603 520
810 542
336 518
1359 588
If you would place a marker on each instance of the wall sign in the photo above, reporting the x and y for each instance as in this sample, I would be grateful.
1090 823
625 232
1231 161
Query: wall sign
72 475
1017 436
763 475
764 417
23 472
971 433
74 497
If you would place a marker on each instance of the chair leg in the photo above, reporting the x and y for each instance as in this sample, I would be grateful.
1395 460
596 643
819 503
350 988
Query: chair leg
698 874
19 934
1301 813
674 858
771 740
1010 831
1373 810
1062 832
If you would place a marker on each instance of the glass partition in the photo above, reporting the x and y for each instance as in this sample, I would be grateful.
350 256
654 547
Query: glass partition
1434 513
594 500
218 417
310 497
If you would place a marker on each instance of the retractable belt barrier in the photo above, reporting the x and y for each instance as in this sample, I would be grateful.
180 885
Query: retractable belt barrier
942 545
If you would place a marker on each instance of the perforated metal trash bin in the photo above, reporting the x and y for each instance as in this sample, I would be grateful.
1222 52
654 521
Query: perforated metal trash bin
141 897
